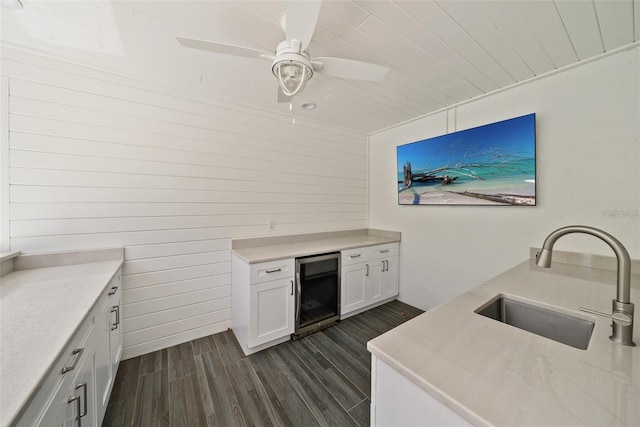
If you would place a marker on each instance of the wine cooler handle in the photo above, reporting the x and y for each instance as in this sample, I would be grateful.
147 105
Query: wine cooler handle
298 298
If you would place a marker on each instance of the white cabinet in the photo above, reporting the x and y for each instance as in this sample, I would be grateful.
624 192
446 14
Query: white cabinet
69 386
80 394
263 302
74 402
369 276
271 311
109 331
354 287
390 273
396 401
77 390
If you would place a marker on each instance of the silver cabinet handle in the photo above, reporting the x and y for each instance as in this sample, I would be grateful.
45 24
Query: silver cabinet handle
386 265
77 352
116 309
356 256
367 269
291 288
384 251
113 290
83 385
275 270
77 400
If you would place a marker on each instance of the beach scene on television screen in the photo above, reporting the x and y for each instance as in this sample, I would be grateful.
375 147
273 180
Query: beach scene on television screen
487 165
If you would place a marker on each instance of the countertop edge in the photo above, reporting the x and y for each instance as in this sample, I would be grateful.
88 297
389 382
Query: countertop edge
256 250
425 385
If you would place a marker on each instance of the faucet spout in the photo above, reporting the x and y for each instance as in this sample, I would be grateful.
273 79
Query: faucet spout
624 261
622 307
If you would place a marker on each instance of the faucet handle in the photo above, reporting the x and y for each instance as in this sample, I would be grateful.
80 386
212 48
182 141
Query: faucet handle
622 319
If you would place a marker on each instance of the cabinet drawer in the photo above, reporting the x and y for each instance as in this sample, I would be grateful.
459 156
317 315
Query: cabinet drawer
384 251
369 253
272 270
353 256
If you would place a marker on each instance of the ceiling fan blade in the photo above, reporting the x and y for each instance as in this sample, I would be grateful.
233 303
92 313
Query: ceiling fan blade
302 17
282 97
227 49
349 69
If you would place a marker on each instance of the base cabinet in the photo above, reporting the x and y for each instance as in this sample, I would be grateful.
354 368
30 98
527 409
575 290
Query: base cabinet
271 311
396 401
354 287
369 276
73 401
81 400
76 392
263 302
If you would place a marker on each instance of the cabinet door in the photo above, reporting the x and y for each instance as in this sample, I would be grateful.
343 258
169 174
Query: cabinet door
272 311
377 276
55 412
354 291
390 278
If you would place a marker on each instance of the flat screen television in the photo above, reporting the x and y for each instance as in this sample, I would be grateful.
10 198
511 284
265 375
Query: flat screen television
494 165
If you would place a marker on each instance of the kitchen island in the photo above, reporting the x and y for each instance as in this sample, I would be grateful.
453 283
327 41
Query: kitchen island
454 366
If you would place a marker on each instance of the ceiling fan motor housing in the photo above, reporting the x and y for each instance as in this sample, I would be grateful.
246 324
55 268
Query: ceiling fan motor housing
292 67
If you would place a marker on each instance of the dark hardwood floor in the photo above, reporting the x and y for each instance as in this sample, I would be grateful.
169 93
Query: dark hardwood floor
322 379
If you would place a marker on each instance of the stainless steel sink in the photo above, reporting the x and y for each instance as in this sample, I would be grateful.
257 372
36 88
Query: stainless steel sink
554 325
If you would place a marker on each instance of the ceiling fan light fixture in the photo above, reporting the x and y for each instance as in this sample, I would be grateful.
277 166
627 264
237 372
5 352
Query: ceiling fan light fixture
292 76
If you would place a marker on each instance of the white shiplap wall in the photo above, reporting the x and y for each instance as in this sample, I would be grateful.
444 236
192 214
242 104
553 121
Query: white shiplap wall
98 159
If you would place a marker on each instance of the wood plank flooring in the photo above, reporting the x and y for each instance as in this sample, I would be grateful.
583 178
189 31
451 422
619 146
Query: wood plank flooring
322 379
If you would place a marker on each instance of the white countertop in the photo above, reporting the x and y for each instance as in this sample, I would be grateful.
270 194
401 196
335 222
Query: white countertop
40 310
495 374
310 247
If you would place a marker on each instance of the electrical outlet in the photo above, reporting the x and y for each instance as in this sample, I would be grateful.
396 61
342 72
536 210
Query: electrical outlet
271 226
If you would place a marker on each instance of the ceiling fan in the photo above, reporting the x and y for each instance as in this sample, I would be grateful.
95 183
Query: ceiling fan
291 64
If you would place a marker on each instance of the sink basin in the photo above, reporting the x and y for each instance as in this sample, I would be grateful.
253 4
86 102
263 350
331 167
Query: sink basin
554 325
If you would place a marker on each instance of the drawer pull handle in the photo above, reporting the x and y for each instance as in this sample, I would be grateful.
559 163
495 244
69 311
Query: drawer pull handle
384 251
83 385
113 290
355 256
77 352
116 309
367 270
77 400
275 270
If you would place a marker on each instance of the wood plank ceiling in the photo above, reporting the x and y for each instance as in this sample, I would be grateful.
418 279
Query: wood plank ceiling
440 52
